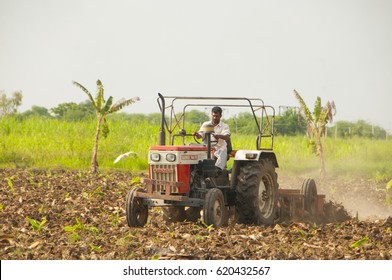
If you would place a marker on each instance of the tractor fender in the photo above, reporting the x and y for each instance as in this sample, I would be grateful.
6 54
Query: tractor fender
255 155
244 156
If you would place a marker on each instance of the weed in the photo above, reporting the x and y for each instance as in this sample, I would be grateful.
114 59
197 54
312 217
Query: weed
95 248
135 180
199 237
359 242
115 217
41 209
388 187
301 235
74 237
79 226
10 184
98 192
208 227
35 224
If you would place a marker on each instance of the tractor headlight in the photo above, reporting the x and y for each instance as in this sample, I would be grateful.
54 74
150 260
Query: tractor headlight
171 157
155 157
250 156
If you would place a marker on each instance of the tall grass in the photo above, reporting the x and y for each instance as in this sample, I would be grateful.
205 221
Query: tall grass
51 143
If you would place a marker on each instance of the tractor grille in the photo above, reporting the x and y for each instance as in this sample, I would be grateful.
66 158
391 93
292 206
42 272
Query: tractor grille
162 173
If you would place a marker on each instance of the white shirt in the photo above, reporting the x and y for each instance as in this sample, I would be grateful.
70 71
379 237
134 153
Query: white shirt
220 128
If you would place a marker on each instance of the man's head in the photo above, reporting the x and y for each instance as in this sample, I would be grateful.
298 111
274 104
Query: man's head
216 114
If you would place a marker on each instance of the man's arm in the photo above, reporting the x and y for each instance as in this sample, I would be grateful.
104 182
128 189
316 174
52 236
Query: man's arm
225 137
224 133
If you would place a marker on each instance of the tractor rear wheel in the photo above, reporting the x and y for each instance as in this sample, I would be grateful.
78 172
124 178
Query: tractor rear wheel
215 211
257 193
136 212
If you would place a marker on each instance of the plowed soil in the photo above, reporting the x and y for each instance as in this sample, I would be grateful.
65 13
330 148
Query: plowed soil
74 215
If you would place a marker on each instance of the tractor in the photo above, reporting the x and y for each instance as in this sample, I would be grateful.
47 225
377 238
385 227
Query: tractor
183 181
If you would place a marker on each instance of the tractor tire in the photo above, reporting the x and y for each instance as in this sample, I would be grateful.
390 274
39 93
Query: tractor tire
309 190
257 193
173 214
136 212
215 211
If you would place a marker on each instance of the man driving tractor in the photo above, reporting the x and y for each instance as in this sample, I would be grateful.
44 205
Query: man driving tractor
219 138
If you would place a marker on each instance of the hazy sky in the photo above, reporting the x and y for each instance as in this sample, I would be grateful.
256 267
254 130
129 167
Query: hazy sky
340 50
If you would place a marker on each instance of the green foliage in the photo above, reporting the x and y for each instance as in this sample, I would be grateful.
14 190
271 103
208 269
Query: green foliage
79 226
243 123
74 237
35 111
316 125
153 119
102 109
359 242
95 248
197 117
361 128
74 112
301 235
115 218
389 185
96 192
53 143
290 122
9 105
35 224
136 180
388 189
9 182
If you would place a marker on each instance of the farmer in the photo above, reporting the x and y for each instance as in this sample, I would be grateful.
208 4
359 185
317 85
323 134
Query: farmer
221 136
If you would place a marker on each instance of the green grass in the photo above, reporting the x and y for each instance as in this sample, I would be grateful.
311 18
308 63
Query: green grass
50 143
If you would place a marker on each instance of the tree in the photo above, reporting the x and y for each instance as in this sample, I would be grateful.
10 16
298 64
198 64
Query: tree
36 111
74 112
197 117
359 128
288 123
103 108
316 124
9 105
243 123
61 110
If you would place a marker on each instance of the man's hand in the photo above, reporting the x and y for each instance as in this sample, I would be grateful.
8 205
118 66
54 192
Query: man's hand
197 135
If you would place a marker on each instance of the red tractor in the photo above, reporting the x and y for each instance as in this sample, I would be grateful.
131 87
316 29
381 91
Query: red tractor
184 182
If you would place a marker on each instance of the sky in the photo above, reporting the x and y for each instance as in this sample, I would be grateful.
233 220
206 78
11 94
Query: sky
339 50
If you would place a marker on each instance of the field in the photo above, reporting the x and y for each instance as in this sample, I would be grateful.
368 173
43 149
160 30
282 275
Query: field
51 207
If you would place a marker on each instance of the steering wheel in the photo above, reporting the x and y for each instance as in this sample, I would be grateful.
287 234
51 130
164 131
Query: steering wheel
196 140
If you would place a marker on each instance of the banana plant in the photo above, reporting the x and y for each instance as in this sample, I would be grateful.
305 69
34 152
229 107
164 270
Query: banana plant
103 108
316 124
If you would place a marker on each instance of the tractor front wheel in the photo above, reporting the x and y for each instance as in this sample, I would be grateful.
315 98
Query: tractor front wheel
215 211
136 212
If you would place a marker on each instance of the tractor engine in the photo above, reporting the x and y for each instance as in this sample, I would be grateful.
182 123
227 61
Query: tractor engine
172 167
